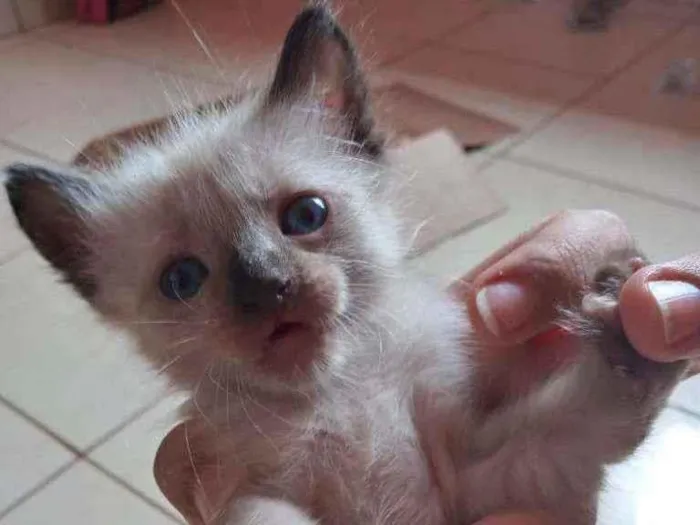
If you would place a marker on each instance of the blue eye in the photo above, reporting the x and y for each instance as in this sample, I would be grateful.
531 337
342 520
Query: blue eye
305 215
183 279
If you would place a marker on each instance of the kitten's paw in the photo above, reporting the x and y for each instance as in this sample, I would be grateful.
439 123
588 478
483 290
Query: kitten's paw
617 382
638 380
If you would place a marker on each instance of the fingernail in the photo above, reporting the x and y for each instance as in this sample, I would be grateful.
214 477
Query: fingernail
679 305
504 306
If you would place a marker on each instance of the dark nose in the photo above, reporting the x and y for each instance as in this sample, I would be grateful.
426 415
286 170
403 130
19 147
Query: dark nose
258 283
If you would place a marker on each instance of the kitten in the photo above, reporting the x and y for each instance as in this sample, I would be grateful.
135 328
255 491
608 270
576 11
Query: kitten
255 256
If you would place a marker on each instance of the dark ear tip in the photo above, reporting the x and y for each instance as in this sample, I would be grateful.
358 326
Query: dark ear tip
15 173
316 15
15 177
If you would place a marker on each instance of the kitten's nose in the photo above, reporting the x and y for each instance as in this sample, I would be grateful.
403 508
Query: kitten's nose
258 284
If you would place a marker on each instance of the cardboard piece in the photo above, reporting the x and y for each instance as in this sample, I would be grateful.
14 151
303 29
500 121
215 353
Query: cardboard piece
442 195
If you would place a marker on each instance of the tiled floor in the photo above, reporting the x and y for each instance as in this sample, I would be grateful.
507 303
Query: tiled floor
81 416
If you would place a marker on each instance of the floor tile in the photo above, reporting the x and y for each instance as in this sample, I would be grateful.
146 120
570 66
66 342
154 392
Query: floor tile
130 453
635 94
158 38
27 457
219 41
58 98
413 19
531 194
84 495
516 93
657 160
538 33
658 485
59 364
687 395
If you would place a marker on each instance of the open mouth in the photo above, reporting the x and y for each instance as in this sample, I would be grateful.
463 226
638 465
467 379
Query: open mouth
286 329
291 346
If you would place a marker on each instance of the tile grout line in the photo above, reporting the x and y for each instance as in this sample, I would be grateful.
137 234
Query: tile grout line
157 68
430 40
519 61
79 455
683 410
25 150
28 495
572 174
38 425
133 490
114 431
527 62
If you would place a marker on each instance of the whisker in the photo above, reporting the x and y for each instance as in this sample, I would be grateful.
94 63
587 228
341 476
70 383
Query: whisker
200 41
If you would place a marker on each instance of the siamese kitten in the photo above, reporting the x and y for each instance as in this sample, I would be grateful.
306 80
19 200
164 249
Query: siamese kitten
255 256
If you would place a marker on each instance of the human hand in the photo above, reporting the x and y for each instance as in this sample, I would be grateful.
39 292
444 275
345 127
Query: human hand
511 299
512 296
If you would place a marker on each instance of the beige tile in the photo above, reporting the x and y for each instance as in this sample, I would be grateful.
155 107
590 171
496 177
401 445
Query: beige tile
658 484
57 98
658 160
27 457
12 240
84 495
213 40
634 94
538 33
532 194
8 23
130 453
687 395
157 38
415 19
518 94
58 364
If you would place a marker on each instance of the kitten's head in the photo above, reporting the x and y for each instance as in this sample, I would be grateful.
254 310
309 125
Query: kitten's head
256 238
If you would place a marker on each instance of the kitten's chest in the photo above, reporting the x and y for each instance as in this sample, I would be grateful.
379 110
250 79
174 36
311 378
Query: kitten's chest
367 464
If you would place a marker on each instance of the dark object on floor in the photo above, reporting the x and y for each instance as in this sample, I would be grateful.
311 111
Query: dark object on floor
681 78
592 15
108 11
473 148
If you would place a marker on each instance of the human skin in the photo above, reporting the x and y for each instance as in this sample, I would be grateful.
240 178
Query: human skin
511 298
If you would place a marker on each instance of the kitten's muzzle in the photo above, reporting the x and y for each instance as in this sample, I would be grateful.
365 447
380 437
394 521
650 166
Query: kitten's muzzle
259 285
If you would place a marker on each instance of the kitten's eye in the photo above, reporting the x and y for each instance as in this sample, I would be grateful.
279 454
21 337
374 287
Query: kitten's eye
304 215
183 278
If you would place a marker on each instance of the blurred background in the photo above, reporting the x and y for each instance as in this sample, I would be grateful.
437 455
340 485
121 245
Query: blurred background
571 106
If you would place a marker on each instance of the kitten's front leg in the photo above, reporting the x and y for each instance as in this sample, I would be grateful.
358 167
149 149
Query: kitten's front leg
547 450
253 510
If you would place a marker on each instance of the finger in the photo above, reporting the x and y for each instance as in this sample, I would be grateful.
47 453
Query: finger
517 519
515 293
660 310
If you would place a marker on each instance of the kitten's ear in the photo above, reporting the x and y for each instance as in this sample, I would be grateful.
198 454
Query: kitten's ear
319 61
50 207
